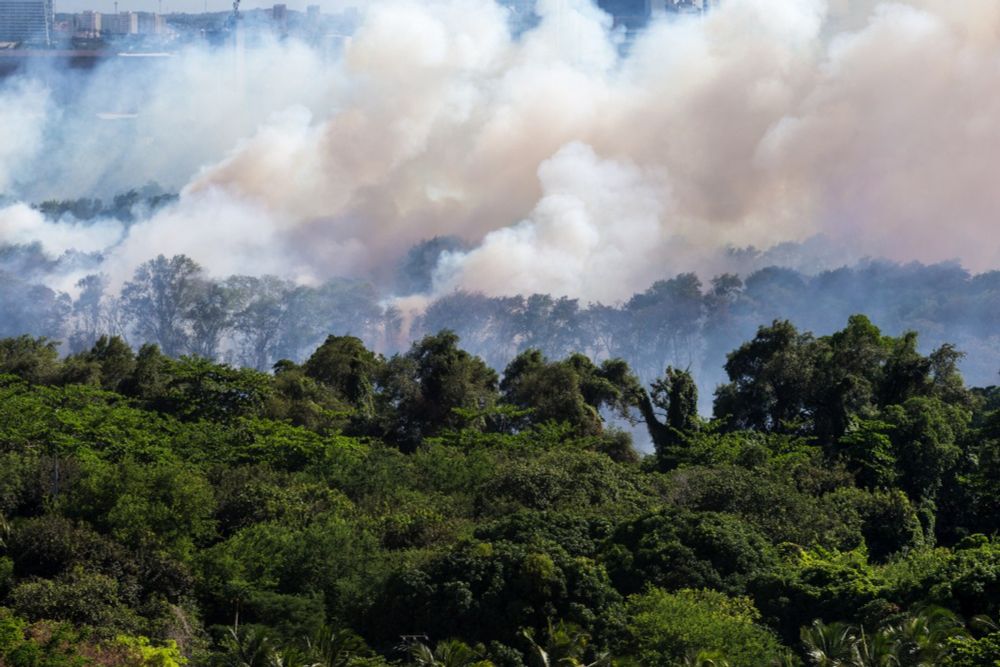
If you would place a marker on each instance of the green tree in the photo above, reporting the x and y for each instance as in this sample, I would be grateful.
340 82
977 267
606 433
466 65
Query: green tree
423 391
344 364
675 395
566 645
446 653
770 380
663 628
35 360
572 391
677 549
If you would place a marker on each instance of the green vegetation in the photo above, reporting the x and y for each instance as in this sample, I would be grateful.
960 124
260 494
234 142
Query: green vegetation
840 508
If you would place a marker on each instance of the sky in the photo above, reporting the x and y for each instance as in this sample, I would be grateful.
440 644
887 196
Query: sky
192 5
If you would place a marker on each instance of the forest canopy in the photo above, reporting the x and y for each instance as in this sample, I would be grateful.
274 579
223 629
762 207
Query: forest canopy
839 507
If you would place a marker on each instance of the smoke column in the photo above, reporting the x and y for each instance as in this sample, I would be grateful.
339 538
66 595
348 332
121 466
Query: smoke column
566 166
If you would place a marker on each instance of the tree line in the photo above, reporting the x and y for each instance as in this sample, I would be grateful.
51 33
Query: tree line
682 321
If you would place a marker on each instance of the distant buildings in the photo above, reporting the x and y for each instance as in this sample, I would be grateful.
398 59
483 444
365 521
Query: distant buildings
123 23
151 24
88 24
28 21
94 24
279 17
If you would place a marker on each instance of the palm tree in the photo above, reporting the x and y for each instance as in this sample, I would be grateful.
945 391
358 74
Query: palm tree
922 639
335 648
876 650
565 646
288 656
985 624
447 653
785 659
249 649
831 644
918 640
705 659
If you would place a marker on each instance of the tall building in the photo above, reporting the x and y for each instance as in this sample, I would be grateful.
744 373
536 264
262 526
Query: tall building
149 23
279 17
123 23
88 24
26 21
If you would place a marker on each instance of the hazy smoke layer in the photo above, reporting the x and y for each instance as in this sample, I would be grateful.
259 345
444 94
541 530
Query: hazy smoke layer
567 167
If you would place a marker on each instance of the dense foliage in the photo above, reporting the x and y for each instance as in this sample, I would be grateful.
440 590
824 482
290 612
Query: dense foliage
840 508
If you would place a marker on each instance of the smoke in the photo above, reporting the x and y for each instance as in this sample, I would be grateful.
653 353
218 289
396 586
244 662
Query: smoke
23 108
594 217
565 160
21 225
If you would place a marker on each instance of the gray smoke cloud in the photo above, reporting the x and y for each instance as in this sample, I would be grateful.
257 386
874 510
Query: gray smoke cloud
566 167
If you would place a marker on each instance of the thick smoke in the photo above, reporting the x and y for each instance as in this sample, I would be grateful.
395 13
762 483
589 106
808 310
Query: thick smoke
24 106
759 124
453 165
569 167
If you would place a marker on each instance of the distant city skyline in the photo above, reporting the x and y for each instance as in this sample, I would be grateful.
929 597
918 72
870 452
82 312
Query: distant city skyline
190 6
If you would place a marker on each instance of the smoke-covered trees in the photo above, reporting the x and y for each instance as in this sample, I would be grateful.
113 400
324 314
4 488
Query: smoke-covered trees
665 322
252 321
259 317
680 322
415 273
30 308
160 299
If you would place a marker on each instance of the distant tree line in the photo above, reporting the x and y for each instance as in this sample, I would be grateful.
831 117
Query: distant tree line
681 321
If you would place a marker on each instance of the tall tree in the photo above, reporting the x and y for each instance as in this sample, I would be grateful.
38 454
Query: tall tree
158 301
425 390
347 366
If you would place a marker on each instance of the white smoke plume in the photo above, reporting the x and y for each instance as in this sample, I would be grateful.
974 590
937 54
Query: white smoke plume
23 108
21 225
569 168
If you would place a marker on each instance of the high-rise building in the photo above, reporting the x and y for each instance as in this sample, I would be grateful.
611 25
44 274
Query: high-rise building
123 23
149 23
26 21
279 16
88 23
